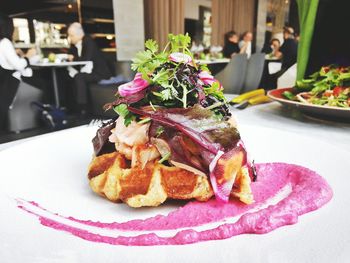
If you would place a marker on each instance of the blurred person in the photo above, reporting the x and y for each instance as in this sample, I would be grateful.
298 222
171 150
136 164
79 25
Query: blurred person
275 45
196 48
13 68
273 49
245 44
231 44
289 48
267 43
83 48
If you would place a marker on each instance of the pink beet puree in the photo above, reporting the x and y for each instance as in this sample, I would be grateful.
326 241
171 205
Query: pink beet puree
309 192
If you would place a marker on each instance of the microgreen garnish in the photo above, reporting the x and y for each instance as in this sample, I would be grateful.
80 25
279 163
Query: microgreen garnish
159 131
215 90
122 110
170 79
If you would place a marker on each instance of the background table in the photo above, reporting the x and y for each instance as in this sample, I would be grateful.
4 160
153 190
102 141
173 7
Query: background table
213 61
53 66
214 65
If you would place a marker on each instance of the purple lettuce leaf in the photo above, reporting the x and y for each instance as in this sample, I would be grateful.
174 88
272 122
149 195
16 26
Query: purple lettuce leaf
136 97
198 123
101 142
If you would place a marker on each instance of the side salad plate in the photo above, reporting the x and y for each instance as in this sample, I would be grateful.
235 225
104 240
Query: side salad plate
336 113
325 93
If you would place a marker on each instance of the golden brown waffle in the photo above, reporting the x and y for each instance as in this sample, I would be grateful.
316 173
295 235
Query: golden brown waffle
145 182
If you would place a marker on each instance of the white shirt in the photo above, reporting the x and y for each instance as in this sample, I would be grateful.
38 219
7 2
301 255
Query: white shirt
11 61
86 69
79 47
248 51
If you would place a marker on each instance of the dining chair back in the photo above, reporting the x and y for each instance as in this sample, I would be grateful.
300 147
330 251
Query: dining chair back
21 115
232 76
124 68
254 72
102 93
288 78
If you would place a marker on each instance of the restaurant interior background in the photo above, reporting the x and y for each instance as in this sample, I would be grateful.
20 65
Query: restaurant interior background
44 22
120 27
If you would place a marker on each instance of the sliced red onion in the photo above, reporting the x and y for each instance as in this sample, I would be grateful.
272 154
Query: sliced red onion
218 193
132 87
223 171
180 57
128 100
206 78
215 160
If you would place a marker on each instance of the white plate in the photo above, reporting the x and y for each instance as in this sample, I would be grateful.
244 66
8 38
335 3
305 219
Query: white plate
52 171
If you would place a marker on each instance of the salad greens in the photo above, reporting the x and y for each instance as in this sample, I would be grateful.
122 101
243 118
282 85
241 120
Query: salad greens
169 79
330 86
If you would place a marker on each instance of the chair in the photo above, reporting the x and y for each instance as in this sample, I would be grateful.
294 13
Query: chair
232 76
101 94
254 72
124 68
21 115
288 78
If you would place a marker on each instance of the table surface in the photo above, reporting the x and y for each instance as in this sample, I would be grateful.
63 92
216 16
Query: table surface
315 238
60 64
213 61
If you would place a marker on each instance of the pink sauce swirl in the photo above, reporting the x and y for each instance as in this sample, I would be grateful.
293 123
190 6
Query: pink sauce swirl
309 191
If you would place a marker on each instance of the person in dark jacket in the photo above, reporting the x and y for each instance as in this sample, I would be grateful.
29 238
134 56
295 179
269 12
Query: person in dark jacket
83 48
289 48
231 44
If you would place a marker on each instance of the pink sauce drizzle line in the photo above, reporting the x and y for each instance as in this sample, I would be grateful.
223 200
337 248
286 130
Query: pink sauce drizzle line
198 213
309 192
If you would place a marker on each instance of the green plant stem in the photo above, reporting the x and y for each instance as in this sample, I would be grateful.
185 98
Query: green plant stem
166 47
150 103
215 105
165 157
144 121
184 97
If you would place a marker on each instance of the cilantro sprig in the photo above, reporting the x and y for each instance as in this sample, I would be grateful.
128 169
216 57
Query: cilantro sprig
170 88
147 61
122 110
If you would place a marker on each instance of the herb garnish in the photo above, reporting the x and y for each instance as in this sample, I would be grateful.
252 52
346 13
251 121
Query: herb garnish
170 79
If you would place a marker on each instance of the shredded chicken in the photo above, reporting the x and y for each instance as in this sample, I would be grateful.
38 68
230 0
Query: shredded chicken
131 135
125 138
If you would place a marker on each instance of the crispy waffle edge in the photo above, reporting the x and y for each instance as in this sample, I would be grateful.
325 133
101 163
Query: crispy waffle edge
111 177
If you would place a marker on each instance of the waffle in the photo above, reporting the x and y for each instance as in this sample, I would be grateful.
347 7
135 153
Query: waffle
145 182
